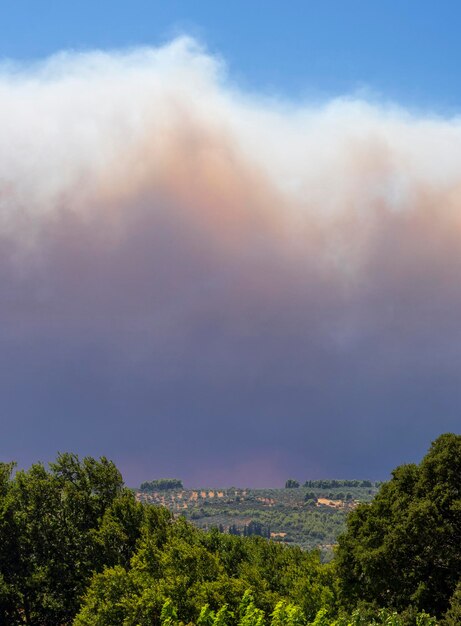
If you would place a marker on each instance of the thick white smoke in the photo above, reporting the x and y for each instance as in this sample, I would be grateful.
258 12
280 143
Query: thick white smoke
275 263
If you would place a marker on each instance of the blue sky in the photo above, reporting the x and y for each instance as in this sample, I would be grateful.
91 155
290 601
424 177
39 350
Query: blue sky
405 51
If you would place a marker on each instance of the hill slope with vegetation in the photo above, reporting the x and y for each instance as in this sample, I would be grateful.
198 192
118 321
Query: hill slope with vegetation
309 516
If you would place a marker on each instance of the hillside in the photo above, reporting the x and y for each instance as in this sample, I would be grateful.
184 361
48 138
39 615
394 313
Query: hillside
309 516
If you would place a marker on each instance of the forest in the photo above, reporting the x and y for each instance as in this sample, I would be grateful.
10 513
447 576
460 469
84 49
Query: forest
76 547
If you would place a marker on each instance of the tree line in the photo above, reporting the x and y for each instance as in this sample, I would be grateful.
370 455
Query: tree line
291 483
161 484
77 548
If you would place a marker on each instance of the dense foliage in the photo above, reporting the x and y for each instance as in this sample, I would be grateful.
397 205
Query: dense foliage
404 549
192 568
247 613
56 528
334 484
77 548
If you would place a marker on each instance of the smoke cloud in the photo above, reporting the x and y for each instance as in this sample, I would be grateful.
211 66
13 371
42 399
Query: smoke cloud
201 282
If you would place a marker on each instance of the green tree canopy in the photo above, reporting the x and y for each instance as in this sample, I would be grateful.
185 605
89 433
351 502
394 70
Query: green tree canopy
291 484
162 484
404 548
57 527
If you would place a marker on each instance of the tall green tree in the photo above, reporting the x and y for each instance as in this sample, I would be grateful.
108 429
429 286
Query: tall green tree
404 549
57 527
